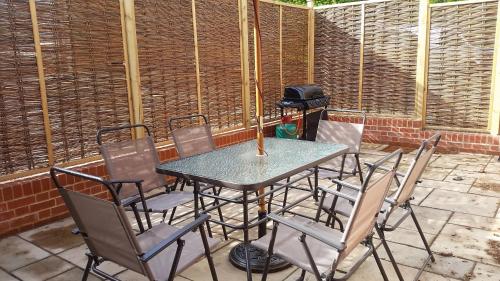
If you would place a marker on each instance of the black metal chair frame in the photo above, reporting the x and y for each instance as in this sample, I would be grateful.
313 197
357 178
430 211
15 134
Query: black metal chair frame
93 260
215 191
368 242
134 201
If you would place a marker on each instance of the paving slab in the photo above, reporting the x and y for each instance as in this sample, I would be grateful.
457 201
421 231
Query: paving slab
4 276
431 220
436 173
460 179
17 253
484 272
43 270
408 237
55 237
468 243
485 223
445 185
73 274
77 257
225 270
462 202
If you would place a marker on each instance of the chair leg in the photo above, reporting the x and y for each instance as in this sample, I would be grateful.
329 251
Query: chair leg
177 258
302 275
379 263
208 254
87 268
172 215
221 218
358 163
270 252
270 202
209 230
389 253
422 236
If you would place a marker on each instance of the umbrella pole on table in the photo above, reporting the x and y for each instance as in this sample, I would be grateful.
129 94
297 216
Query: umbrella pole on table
259 108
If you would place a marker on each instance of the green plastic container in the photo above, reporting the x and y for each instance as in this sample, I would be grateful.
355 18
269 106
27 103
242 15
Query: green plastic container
286 131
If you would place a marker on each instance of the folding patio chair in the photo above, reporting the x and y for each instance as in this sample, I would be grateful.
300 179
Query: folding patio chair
159 253
400 199
324 248
138 158
194 140
346 133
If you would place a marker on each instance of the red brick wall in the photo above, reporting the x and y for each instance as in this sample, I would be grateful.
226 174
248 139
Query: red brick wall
30 202
408 132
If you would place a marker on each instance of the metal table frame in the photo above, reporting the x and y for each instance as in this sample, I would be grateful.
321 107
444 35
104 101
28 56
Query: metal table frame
247 198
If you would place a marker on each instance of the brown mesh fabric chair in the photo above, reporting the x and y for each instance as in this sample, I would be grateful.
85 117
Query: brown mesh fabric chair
158 253
194 140
323 248
399 200
346 133
138 159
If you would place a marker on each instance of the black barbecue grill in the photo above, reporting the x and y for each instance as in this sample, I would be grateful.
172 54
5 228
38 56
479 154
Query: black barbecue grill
304 98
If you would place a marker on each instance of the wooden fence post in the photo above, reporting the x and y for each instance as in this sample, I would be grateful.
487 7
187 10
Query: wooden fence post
361 58
422 60
41 81
245 63
494 118
196 58
310 42
132 61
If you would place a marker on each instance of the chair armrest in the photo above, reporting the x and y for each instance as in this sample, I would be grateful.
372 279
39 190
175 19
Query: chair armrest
308 231
155 250
337 193
346 184
122 181
386 169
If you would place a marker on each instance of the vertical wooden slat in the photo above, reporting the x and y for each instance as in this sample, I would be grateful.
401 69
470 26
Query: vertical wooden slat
310 42
494 114
41 80
133 65
361 58
282 85
245 64
197 58
422 60
127 69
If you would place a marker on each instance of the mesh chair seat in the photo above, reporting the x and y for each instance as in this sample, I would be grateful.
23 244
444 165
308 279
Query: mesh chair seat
161 264
286 246
165 201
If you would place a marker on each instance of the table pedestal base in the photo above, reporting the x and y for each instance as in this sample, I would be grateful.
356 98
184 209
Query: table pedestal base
257 259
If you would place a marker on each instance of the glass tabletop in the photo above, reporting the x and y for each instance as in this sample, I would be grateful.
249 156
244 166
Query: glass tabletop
239 167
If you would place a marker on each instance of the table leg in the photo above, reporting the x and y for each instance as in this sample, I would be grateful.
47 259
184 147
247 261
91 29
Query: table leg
245 236
196 191
316 183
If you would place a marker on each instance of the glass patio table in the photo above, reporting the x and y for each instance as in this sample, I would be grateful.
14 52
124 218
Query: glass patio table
239 168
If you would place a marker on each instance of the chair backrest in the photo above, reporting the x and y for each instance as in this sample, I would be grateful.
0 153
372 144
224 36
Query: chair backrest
368 204
132 159
103 224
346 133
192 140
416 169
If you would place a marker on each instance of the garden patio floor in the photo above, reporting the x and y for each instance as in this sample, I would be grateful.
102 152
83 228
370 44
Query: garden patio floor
457 204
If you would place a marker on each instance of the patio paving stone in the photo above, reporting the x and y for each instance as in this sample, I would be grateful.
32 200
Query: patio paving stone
468 243
431 220
17 253
73 274
55 237
462 202
484 272
485 223
445 185
77 257
42 270
4 276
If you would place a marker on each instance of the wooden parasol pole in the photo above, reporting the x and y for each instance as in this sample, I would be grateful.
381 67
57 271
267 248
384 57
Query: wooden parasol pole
259 108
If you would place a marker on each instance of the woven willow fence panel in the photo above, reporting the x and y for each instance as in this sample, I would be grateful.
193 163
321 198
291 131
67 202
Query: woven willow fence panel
337 52
22 135
83 57
460 65
294 32
271 77
220 64
167 62
390 53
